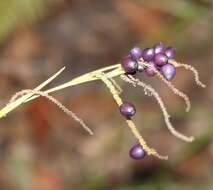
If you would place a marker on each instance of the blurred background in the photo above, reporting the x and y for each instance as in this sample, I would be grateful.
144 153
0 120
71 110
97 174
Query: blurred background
41 148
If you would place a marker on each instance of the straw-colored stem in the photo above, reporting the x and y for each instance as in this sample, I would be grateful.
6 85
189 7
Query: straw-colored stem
56 102
86 78
11 106
130 79
117 98
190 68
171 86
114 70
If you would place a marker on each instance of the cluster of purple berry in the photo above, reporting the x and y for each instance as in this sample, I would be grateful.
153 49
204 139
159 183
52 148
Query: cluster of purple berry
157 57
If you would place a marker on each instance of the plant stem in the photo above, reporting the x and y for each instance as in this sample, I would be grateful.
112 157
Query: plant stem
11 106
116 71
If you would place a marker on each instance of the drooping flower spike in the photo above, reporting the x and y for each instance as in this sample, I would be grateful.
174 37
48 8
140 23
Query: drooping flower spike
57 103
155 61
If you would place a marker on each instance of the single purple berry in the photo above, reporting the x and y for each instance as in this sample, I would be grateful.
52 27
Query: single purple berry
168 71
170 52
136 53
148 54
127 109
150 70
159 48
137 152
160 59
130 66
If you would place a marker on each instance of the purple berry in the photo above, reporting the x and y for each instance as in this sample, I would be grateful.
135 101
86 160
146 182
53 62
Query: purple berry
127 109
150 71
136 53
170 52
148 54
159 48
168 71
130 66
137 152
160 59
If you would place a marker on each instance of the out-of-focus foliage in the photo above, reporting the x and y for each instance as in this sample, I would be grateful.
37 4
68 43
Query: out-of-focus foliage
41 148
18 13
183 15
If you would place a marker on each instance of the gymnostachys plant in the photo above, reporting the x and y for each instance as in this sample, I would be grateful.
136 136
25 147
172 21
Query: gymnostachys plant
155 61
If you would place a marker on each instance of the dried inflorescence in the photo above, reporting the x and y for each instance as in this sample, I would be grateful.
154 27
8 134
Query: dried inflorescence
156 61
136 82
56 102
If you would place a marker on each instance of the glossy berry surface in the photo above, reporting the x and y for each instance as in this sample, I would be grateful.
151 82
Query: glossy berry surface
160 59
130 66
168 71
136 53
137 152
150 71
148 54
170 52
127 109
159 48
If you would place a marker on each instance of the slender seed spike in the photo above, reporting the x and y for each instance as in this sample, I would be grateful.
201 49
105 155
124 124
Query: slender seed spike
59 104
189 67
12 105
172 87
130 123
132 80
176 91
107 78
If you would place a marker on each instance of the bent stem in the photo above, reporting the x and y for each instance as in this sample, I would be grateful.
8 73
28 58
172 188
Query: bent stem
12 105
133 81
132 126
171 86
176 91
106 75
190 68
115 70
57 103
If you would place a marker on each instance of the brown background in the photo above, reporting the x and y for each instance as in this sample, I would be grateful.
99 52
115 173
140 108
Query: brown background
42 148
